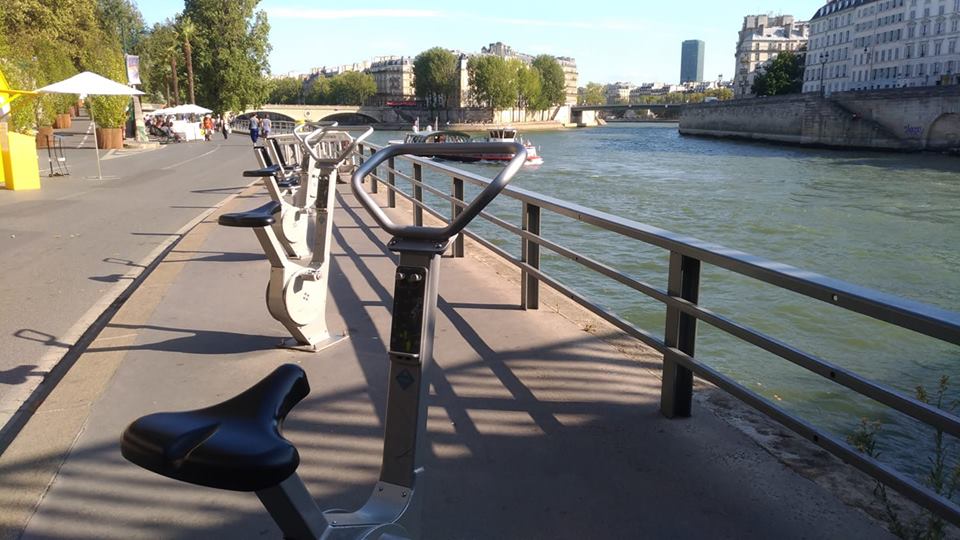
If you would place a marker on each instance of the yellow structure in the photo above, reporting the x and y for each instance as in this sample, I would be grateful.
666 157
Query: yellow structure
18 152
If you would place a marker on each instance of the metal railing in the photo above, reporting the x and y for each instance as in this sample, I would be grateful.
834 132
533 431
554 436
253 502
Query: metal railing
686 257
277 127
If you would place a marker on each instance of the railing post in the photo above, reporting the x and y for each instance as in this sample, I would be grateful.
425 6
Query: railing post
417 195
392 180
676 393
376 174
529 284
455 211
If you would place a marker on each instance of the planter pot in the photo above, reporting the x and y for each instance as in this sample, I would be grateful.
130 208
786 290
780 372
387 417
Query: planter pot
62 122
109 138
45 137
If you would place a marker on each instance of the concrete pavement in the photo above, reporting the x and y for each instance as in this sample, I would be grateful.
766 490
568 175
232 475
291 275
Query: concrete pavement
73 247
537 428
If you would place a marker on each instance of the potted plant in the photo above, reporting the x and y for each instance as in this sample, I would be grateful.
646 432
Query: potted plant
110 114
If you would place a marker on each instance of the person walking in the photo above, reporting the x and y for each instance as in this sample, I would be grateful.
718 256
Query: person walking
265 127
207 128
254 128
225 125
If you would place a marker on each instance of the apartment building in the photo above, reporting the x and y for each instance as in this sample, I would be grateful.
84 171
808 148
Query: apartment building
873 44
761 39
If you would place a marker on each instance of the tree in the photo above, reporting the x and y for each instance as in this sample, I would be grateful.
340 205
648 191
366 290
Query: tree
352 88
554 82
155 69
284 91
121 20
173 51
187 31
493 81
783 75
229 53
435 76
317 91
529 87
593 94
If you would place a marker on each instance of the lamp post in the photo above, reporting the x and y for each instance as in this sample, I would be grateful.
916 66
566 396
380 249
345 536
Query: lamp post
824 57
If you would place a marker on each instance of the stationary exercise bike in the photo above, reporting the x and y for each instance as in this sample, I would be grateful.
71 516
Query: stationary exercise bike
297 292
300 185
237 444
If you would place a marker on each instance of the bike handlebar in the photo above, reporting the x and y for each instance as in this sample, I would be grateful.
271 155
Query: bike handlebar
439 234
345 152
306 139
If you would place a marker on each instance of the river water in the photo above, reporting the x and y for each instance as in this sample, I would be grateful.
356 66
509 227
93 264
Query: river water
890 222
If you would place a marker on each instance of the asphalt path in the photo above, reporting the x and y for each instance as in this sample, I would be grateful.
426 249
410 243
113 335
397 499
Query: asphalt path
69 249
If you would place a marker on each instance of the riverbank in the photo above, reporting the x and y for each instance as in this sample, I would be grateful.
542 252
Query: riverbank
902 119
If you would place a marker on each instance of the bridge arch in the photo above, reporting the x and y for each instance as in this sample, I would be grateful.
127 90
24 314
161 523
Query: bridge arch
944 132
349 118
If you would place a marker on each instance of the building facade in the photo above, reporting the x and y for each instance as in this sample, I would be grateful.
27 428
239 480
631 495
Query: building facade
762 38
874 44
394 78
691 60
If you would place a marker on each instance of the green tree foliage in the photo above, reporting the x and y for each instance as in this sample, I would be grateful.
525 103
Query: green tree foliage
493 81
352 88
109 111
529 87
122 22
554 85
45 41
229 53
349 88
157 46
317 91
593 94
435 76
284 91
187 32
784 75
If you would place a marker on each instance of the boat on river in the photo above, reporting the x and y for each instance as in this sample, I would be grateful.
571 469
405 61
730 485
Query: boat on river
504 134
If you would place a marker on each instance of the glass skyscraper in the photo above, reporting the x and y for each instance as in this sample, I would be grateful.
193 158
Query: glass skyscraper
691 61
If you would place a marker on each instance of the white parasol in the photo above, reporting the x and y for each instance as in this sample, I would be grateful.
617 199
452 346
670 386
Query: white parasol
88 83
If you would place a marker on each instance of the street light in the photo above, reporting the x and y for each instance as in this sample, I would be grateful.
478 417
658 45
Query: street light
824 57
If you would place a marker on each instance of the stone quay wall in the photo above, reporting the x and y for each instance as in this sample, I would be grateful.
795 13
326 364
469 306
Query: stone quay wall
905 119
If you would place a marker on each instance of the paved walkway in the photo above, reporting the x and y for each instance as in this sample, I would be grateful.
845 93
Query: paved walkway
537 429
72 247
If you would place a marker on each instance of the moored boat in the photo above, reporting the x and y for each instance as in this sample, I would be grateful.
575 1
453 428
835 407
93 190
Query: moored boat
505 134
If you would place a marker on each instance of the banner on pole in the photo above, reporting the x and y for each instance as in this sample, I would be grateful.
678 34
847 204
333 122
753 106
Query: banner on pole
133 69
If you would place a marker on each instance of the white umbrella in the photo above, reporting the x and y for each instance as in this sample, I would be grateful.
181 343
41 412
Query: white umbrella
191 109
88 83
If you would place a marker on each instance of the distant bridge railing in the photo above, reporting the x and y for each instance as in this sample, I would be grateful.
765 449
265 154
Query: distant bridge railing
686 257
627 106
277 127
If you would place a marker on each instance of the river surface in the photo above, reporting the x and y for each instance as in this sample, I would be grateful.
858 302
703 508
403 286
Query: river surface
890 222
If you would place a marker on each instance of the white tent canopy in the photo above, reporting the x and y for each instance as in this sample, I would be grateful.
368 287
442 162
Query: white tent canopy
90 84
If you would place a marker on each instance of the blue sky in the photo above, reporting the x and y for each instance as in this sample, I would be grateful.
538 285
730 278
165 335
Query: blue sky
612 40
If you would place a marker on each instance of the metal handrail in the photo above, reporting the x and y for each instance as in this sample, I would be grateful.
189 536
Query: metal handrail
687 254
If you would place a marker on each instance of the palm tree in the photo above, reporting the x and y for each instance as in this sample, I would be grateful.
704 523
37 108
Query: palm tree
187 31
173 50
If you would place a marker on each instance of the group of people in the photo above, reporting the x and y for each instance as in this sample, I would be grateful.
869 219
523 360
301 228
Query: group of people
163 126
259 127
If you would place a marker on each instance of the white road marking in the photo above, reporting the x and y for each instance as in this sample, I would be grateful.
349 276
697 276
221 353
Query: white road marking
175 165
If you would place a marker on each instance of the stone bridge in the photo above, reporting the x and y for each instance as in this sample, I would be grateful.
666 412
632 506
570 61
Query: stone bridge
345 114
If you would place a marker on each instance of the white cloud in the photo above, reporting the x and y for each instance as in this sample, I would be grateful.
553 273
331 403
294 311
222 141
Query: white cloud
333 14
